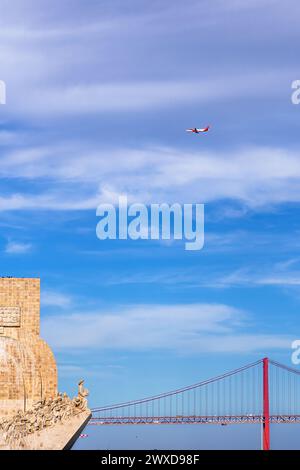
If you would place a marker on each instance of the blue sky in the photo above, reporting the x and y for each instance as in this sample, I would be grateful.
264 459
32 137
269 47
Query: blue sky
99 94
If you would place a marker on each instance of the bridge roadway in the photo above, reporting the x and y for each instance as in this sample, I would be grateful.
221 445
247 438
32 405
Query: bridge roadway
222 420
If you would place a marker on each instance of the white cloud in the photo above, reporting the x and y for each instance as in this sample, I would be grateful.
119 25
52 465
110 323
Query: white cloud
257 176
290 279
92 370
7 137
278 275
182 328
79 47
135 96
58 84
17 248
55 299
55 201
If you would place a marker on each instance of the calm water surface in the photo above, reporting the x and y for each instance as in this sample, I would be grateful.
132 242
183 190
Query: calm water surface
187 436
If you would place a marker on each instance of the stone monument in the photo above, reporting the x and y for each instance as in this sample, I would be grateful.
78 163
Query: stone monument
33 415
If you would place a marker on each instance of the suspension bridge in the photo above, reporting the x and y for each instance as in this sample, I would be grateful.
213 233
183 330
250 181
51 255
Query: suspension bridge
263 392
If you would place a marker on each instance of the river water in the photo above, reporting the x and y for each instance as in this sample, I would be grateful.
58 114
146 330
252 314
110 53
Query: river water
187 436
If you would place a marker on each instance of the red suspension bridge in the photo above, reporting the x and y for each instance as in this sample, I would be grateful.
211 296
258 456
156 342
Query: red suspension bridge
263 392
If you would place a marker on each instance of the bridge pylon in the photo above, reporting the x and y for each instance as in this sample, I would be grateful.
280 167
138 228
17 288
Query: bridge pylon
266 406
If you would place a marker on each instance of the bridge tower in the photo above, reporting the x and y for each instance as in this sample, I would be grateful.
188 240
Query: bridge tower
266 406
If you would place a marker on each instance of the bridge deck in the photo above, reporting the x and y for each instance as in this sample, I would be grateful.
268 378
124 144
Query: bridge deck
222 420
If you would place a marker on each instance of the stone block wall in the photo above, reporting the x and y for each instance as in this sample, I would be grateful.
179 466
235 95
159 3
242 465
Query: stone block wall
27 366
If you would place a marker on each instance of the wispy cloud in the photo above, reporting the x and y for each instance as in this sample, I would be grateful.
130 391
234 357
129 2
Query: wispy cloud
281 274
277 275
17 248
182 328
58 85
78 177
140 96
57 200
102 371
290 279
51 298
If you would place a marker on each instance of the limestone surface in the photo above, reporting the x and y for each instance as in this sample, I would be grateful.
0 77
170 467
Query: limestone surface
27 366
33 415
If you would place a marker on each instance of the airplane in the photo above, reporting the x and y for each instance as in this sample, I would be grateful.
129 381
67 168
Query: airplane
198 131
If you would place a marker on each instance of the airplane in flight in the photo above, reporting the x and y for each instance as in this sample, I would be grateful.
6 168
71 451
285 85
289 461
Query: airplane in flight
198 131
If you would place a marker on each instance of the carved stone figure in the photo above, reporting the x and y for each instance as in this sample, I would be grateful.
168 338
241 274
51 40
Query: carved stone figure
82 392
43 414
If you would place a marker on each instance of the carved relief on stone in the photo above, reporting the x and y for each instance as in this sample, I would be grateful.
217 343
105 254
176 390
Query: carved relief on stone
10 317
43 414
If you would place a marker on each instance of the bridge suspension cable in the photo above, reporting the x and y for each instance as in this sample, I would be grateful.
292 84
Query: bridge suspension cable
263 392
215 390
